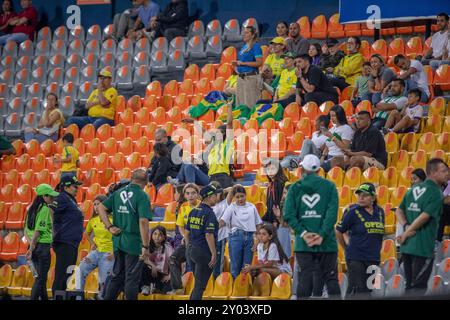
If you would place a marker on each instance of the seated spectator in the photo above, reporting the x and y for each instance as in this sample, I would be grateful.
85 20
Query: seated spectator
418 176
331 56
271 257
436 54
157 274
146 11
380 77
393 99
350 67
173 21
315 145
69 158
275 60
164 167
50 122
362 85
339 139
408 119
6 147
413 73
312 84
315 51
368 148
296 43
445 217
101 104
283 30
23 25
101 255
5 17
125 21
175 152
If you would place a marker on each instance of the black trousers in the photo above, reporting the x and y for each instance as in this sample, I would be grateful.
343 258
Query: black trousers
199 260
41 259
176 259
326 263
126 276
444 221
319 97
378 123
224 179
147 279
338 82
66 256
357 276
417 272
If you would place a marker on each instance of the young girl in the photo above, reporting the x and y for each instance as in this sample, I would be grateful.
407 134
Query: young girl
164 168
243 219
271 258
157 272
284 232
277 180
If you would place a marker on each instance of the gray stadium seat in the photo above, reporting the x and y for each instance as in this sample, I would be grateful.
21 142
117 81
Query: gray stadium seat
90 60
7 77
88 74
16 105
77 33
343 284
176 61
26 48
437 286
126 45
24 63
67 106
59 47
141 75
443 251
39 75
389 268
396 286
3 108
8 62
56 61
33 105
124 78
158 62
197 28
380 286
178 43
23 76
214 28
93 46
160 44
72 75
125 59
141 59
94 33
444 269
40 61
109 46
107 60
142 45
44 34
69 89
54 88
55 75
10 49
18 91
107 32
30 120
76 46
12 125
232 31
4 91
35 90
42 48
73 60
214 47
85 90
61 33
196 48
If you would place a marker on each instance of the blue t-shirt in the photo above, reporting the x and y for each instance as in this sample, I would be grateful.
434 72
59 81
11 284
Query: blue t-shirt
201 221
366 233
146 13
249 56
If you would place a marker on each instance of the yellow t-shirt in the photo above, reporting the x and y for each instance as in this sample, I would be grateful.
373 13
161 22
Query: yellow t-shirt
102 237
183 214
275 63
72 165
98 111
220 158
232 81
288 81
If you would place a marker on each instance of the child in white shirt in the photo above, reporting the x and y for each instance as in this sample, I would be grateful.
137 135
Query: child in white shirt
408 120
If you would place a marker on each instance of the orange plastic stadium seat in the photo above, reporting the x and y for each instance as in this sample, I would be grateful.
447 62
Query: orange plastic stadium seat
88 132
413 47
409 142
47 148
28 177
42 177
336 175
166 102
8 163
396 46
352 30
134 161
142 145
10 247
164 196
427 142
126 146
126 117
3 216
16 216
192 72
380 47
287 126
218 84
19 146
383 195
24 194
400 159
77 144
404 176
187 87
319 27
304 126
101 161
73 129
389 177
281 288
86 161
171 88
149 130
391 141
117 161
154 88
419 159
38 163
228 55
202 86
33 148
94 146
142 116
371 175
93 191
134 103
110 146
335 29
225 71
208 72
397 195
443 141
437 107
388 250
134 132
158 116
181 101
353 177
293 111
12 177
442 78
311 111
23 163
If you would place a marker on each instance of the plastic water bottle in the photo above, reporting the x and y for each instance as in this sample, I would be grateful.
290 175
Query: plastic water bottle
32 268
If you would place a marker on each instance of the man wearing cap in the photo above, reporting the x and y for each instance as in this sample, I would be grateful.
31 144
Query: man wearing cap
201 236
296 43
39 233
331 56
311 211
275 61
363 226
68 230
101 104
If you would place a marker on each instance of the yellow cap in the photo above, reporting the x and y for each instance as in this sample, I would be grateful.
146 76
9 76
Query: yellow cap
278 40
105 73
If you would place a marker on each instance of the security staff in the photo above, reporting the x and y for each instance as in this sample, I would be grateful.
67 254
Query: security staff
360 233
201 236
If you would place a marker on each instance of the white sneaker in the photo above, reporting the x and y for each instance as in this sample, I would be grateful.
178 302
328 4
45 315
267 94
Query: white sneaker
294 297
176 292
145 290
173 181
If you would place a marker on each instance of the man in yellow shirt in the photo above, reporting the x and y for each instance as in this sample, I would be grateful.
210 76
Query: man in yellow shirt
69 158
101 105
275 61
350 67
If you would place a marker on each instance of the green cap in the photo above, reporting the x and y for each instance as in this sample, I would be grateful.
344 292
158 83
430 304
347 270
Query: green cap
46 190
288 55
367 188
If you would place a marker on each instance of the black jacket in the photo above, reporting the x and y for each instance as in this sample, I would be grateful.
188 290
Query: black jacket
154 164
159 173
67 220
175 15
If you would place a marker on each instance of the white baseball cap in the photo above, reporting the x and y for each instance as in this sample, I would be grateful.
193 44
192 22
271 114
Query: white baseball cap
311 163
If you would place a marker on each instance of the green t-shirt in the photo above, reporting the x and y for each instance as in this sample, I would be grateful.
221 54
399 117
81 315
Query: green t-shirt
5 144
128 205
43 224
424 197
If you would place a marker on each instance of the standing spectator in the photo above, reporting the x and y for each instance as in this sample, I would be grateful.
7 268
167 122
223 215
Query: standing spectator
23 25
247 64
6 147
50 123
68 230
436 54
380 77
243 219
393 99
131 210
164 166
331 56
419 214
350 67
6 16
414 74
69 159
101 255
360 233
283 30
275 60
408 120
101 104
368 148
445 218
296 43
312 84
174 151
201 236
362 85
125 21
315 51
172 22
39 234
277 181
147 10
311 211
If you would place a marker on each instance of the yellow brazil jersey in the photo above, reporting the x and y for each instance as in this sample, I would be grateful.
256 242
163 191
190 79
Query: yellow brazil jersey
98 111
350 67
183 213
72 165
220 157
232 81
288 81
102 237
275 63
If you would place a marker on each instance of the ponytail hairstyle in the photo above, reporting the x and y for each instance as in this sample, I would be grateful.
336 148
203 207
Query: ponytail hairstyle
37 205
254 37
180 190
152 244
272 231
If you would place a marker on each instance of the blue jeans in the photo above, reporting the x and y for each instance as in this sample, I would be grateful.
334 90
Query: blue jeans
240 247
308 147
190 173
16 37
220 248
96 259
40 137
68 174
83 121
284 235
435 64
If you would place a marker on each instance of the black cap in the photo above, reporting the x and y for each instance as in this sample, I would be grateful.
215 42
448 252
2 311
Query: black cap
209 190
331 42
68 181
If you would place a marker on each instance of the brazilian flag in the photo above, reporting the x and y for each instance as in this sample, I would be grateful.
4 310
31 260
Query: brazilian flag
241 112
262 112
213 101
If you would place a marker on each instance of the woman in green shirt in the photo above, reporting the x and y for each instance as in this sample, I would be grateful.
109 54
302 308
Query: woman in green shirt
39 233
